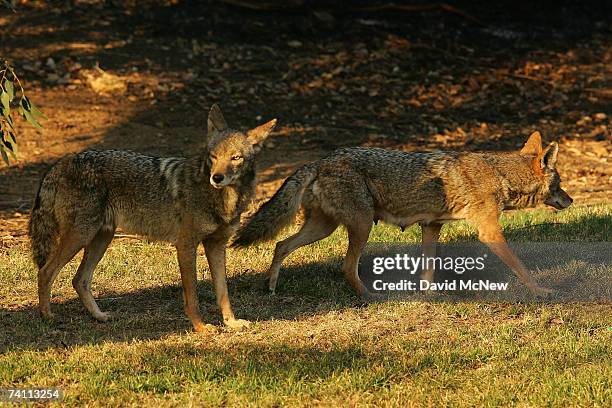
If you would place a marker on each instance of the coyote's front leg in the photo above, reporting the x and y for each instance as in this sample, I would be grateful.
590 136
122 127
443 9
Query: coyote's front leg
215 253
490 233
186 252
431 234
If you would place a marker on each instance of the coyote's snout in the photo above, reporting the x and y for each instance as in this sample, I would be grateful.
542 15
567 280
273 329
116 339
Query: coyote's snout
558 198
356 186
186 201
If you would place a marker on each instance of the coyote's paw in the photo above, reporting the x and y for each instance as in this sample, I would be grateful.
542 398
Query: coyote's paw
542 292
205 328
102 317
237 323
271 287
267 287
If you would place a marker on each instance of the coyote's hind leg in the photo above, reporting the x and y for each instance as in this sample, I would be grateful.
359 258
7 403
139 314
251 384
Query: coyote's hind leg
70 242
82 280
358 233
316 227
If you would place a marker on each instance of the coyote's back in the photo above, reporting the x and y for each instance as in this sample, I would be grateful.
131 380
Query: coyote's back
106 190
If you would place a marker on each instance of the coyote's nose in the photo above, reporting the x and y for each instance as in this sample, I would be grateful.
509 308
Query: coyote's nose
217 178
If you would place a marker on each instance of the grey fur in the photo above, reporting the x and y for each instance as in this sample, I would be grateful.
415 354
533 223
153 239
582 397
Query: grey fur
86 196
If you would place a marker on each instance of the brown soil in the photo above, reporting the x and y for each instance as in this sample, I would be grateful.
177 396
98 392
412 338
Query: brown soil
338 77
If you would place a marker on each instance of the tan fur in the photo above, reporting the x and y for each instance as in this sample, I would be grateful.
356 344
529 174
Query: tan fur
356 186
86 196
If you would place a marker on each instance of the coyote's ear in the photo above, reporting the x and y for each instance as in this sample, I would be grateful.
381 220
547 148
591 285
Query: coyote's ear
548 158
216 121
259 134
533 144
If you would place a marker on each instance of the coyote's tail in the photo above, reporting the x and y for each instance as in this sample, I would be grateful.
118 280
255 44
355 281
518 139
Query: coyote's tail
279 211
43 226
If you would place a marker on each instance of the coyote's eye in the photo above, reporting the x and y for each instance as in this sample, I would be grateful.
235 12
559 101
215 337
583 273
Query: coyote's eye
236 158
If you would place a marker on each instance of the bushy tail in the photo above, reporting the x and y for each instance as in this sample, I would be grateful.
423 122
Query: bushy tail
43 226
279 211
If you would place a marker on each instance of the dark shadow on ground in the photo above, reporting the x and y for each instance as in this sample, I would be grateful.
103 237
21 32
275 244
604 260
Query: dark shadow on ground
576 271
154 312
593 228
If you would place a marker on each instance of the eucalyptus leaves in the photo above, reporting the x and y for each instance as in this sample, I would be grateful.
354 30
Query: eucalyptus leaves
12 96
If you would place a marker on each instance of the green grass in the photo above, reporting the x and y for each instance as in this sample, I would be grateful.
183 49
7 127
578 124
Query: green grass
314 343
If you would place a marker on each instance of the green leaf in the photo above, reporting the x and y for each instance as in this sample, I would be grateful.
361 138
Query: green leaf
10 89
6 100
4 155
13 151
37 111
13 140
10 147
7 116
25 103
28 116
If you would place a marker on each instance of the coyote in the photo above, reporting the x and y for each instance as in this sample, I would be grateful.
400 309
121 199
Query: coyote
86 196
355 186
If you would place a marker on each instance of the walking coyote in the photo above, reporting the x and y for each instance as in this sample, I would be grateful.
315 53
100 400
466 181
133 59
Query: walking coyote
355 186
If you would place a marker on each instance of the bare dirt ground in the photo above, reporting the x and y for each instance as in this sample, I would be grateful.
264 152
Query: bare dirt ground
431 80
